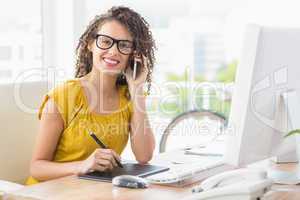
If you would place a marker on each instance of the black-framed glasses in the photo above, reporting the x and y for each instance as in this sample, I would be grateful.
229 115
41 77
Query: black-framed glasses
106 42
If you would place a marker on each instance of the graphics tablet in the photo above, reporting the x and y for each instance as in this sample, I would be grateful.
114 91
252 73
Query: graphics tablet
128 169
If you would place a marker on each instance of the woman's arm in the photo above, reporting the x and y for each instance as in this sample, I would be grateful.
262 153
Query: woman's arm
142 138
50 129
42 166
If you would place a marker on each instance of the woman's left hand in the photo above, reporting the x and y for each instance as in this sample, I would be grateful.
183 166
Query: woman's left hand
136 86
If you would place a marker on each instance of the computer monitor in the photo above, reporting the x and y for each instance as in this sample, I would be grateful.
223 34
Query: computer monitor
269 67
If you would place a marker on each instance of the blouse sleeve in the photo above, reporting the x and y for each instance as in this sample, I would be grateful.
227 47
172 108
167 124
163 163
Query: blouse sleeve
64 97
58 96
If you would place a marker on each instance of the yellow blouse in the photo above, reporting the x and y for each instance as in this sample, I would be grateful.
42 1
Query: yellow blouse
75 142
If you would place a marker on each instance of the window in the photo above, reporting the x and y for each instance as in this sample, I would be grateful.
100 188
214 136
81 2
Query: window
191 50
199 43
20 38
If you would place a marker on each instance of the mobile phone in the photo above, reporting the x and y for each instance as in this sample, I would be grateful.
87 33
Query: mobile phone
135 67
134 70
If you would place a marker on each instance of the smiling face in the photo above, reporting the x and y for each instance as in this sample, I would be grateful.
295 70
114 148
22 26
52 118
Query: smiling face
110 60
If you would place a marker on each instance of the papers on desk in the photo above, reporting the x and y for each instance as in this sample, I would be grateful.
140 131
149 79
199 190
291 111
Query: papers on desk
201 152
214 149
181 158
6 186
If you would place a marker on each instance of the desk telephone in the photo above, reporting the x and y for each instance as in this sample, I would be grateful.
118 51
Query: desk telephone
240 184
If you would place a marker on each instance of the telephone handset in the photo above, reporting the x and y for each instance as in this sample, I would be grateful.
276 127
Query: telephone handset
240 184
230 177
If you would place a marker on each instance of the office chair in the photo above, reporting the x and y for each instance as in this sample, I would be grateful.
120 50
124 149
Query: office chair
195 121
19 126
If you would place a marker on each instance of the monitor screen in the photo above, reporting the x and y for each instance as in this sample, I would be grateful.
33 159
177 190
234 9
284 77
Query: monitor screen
268 68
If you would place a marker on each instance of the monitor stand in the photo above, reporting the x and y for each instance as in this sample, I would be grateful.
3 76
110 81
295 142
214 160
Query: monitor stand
284 177
291 102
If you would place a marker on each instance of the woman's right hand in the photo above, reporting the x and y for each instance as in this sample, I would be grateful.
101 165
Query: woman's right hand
99 160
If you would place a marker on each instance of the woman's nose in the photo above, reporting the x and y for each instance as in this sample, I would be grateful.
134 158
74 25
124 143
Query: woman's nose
114 49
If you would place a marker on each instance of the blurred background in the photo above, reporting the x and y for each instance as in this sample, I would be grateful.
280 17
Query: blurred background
198 46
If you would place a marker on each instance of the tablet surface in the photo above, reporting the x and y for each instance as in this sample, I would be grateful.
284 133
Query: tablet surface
128 169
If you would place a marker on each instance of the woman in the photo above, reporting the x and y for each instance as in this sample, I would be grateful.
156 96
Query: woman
104 98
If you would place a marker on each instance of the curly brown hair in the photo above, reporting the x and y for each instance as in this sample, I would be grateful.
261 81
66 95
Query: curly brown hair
137 26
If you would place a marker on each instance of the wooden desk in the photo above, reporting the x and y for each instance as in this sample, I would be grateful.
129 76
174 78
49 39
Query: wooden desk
73 188
281 192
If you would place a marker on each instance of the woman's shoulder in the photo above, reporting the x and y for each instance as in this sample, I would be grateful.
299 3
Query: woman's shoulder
127 104
68 87
124 93
66 96
122 88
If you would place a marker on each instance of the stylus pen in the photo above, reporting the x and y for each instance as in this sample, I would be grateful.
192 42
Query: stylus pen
103 146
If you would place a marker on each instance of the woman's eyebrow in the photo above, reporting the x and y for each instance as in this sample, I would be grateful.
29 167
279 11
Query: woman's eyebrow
127 39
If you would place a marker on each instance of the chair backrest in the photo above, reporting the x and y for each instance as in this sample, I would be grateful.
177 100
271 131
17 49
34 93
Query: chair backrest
18 127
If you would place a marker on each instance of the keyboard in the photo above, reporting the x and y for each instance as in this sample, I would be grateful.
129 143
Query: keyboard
186 172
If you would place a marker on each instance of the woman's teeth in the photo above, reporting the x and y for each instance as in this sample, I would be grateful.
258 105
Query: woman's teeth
110 61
